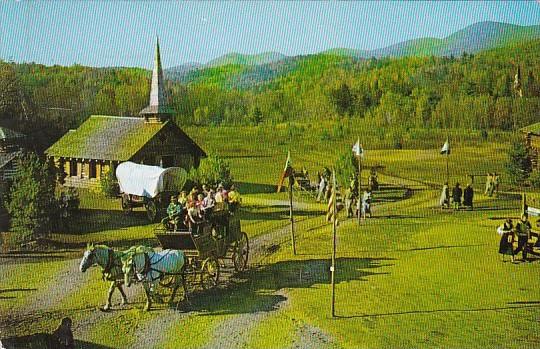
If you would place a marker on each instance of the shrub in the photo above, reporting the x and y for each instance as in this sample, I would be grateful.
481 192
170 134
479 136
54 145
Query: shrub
535 179
518 166
346 167
212 171
109 184
32 203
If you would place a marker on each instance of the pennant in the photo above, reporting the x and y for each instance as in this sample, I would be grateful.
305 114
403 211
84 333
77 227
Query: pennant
357 148
446 148
287 172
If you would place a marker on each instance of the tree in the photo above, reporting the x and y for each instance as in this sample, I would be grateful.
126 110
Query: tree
212 171
10 102
32 204
519 164
346 168
343 99
109 184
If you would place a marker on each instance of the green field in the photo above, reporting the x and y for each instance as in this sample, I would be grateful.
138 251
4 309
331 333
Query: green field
412 276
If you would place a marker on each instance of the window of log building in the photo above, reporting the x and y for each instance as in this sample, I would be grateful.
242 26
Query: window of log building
73 168
92 170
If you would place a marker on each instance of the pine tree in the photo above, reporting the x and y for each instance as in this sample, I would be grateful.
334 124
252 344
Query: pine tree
32 203
519 164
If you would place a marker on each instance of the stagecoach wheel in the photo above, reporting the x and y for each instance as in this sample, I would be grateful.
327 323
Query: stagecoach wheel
209 273
167 281
241 253
151 210
126 207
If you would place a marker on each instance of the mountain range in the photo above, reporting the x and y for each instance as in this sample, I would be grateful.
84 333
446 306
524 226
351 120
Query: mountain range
258 68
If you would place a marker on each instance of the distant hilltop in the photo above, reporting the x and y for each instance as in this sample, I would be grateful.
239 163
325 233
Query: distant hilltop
474 38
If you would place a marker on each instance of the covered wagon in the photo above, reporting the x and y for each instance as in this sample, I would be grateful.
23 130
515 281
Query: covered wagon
150 187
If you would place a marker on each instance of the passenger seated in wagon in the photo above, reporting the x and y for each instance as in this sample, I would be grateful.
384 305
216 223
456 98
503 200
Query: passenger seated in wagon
175 212
234 199
193 218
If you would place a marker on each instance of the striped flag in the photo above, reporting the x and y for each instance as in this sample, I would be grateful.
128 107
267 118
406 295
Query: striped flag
446 148
331 211
287 172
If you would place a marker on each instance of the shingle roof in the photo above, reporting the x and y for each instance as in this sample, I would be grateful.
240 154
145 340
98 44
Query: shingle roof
106 138
534 128
7 134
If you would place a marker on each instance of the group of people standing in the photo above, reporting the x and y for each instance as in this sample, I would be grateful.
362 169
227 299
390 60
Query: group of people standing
459 196
524 234
190 209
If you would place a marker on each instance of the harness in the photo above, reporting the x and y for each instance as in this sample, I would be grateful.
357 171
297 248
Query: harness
106 272
147 268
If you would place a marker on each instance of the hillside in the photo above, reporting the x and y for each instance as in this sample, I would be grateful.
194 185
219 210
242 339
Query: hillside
254 70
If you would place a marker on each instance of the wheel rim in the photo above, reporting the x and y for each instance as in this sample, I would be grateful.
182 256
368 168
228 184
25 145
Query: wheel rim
125 203
210 273
241 253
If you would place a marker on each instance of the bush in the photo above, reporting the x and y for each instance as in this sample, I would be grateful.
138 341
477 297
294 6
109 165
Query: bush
32 203
212 171
109 184
535 179
518 166
346 167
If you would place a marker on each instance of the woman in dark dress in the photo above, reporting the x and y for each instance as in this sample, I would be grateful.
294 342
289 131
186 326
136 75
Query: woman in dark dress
507 237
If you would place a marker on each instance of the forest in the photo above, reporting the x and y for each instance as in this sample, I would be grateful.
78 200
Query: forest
470 91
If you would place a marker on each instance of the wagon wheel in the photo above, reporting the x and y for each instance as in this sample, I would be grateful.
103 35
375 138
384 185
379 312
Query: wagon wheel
126 207
167 280
241 253
209 273
151 210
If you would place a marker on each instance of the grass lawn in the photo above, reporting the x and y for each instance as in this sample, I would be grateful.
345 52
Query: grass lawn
412 276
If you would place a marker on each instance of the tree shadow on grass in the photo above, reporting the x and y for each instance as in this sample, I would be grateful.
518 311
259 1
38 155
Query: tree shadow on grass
255 188
252 214
95 220
258 289
44 341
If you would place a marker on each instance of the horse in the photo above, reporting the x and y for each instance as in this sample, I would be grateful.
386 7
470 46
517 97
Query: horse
111 268
150 267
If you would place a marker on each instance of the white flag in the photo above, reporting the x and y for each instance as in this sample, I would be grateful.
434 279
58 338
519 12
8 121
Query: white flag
446 148
357 149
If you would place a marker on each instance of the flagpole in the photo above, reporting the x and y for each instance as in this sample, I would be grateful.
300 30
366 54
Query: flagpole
291 179
447 170
359 185
334 228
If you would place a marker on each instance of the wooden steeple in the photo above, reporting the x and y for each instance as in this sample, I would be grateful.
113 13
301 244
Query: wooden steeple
157 110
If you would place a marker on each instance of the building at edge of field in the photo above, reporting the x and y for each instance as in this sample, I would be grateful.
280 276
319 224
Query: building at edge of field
532 143
102 142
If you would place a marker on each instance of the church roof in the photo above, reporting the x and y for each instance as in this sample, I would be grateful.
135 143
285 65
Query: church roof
534 128
111 138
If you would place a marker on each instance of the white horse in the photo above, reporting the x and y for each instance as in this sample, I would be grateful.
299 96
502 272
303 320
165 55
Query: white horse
111 268
150 267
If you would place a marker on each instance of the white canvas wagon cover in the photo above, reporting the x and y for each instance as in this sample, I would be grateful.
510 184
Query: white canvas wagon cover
149 181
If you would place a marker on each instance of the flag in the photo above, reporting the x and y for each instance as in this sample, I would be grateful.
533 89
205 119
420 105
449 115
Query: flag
446 148
287 172
357 148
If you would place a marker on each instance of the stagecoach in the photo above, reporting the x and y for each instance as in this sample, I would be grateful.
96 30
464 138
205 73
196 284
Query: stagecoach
150 187
207 246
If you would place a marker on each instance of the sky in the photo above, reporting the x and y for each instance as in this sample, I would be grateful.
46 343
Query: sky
121 33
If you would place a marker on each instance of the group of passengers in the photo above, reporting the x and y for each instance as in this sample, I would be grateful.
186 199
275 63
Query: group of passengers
527 239
191 209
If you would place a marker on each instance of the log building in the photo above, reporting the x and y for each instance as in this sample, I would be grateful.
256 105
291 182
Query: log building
102 142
